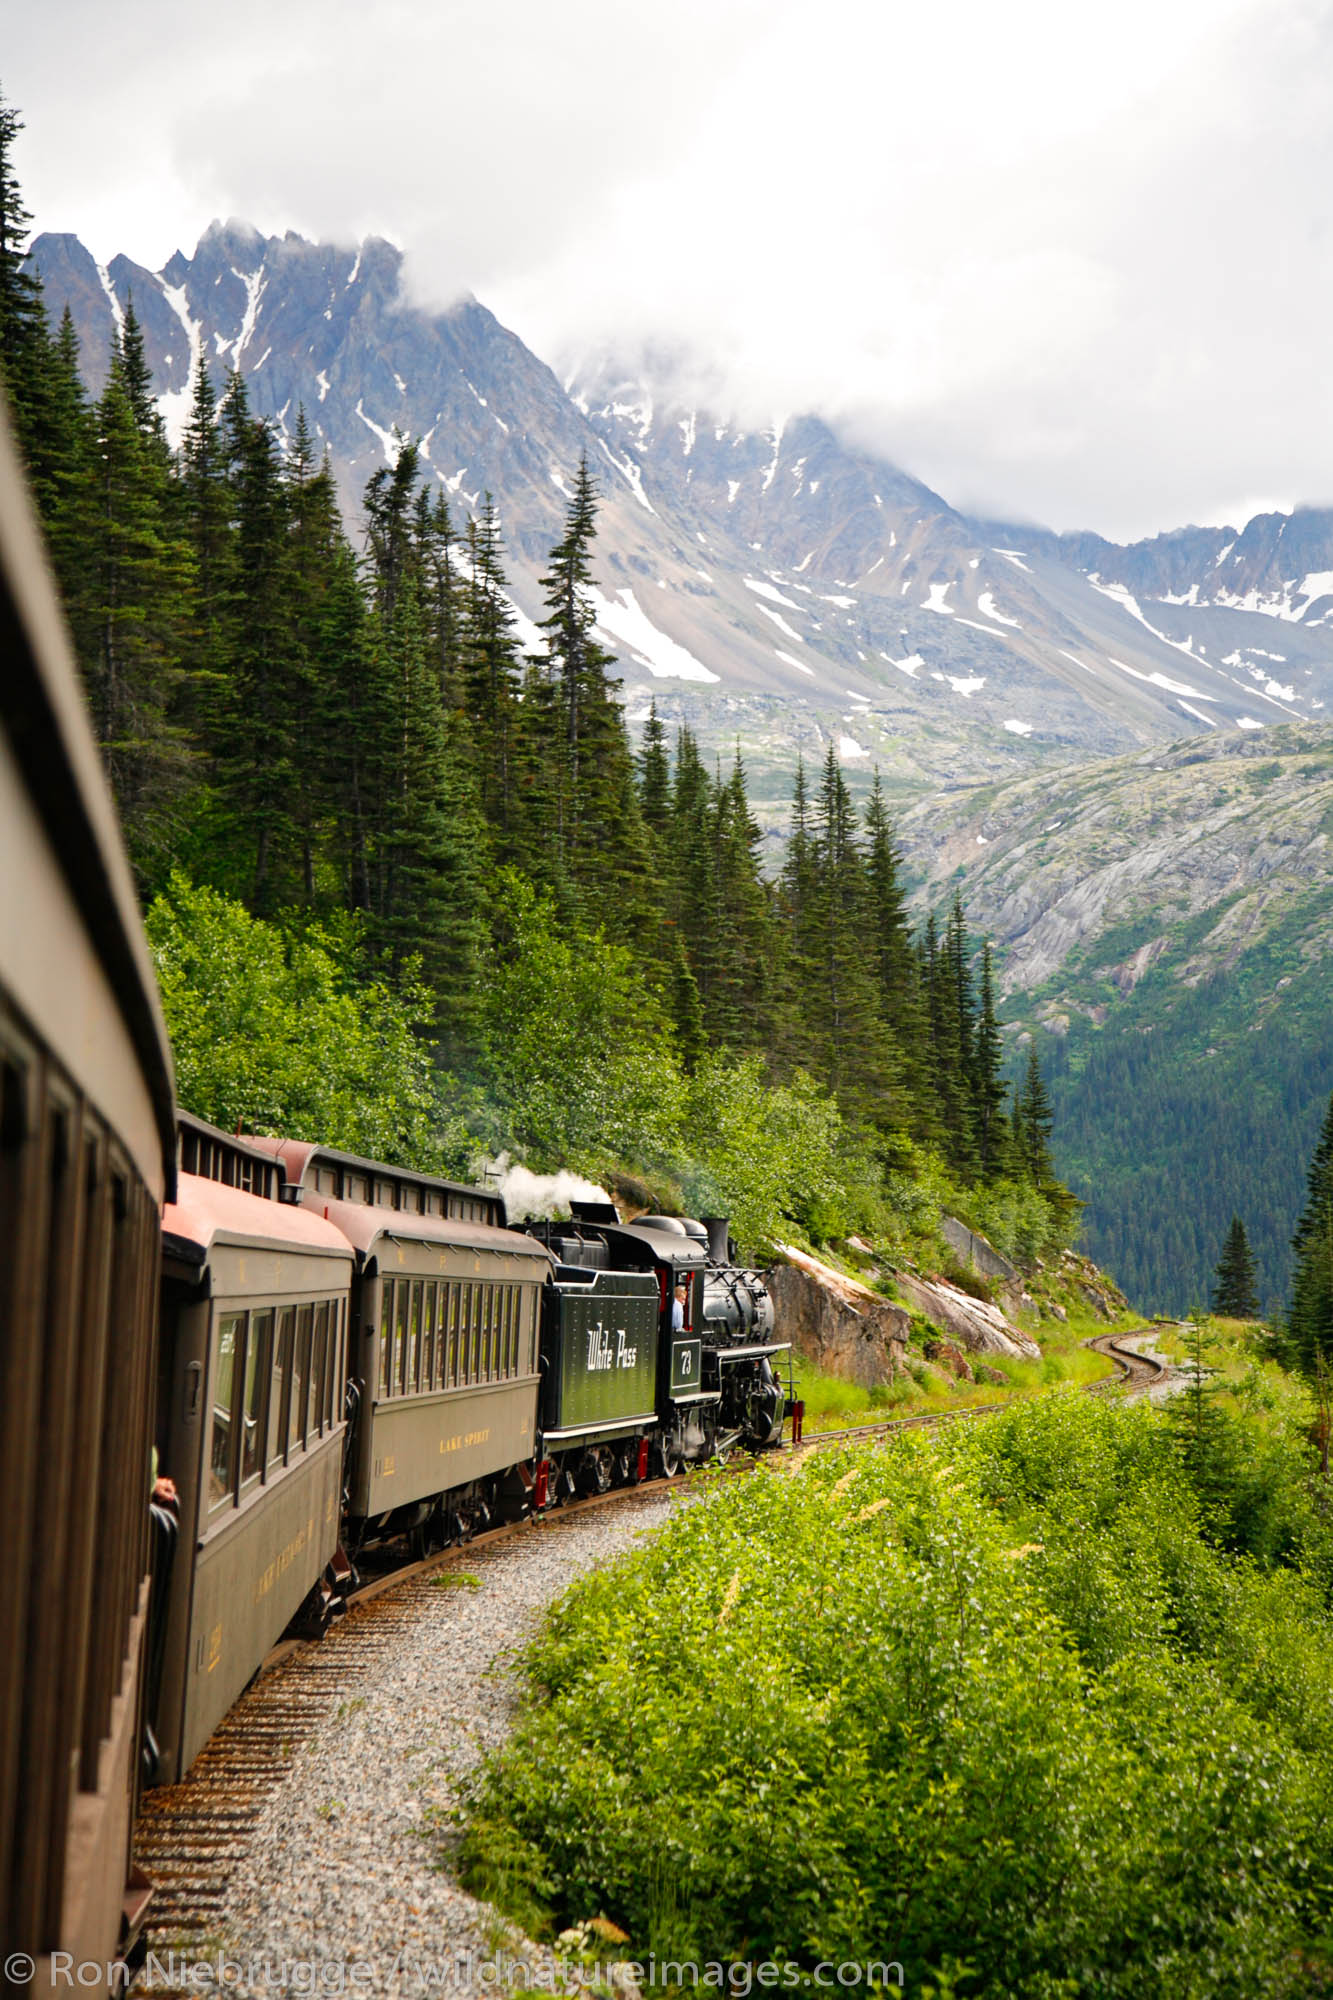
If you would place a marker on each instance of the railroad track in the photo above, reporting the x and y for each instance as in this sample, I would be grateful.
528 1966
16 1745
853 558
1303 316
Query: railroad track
191 1837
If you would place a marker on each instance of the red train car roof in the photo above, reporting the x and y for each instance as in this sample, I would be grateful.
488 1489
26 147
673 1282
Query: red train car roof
207 1212
364 1225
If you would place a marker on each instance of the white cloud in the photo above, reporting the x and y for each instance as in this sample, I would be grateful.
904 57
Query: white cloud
1056 262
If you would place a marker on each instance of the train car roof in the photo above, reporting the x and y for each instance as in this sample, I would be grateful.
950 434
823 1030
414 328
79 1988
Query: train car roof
46 737
363 1225
212 1154
298 1155
207 1212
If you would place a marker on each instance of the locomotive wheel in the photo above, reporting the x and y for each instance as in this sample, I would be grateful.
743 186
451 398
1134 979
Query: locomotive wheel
595 1472
623 1463
667 1456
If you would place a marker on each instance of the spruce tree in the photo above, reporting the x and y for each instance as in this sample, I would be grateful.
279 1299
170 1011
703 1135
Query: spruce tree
989 1092
1034 1122
1234 1293
24 336
599 835
1310 1320
128 613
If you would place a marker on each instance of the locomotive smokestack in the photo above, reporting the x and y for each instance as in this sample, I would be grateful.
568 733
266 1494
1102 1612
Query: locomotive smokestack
716 1225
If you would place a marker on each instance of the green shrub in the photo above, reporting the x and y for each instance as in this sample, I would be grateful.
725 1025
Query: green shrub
988 1699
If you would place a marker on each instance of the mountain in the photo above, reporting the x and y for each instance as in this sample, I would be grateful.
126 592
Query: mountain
1164 923
779 589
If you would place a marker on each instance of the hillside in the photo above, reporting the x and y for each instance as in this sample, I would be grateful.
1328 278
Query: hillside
779 588
1163 923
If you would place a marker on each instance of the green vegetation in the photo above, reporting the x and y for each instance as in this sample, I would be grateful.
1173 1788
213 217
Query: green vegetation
832 1403
1035 1705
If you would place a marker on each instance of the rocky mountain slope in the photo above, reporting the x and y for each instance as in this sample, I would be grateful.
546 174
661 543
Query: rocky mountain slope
779 590
1164 923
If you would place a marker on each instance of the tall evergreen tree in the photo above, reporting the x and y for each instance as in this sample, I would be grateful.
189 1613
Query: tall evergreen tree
599 834
1310 1320
1034 1122
24 336
128 613
1234 1292
994 1134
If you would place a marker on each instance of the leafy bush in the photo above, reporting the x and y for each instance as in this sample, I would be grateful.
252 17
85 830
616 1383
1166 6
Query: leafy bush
287 1028
988 1700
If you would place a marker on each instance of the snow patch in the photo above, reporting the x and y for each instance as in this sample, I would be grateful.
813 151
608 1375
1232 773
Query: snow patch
355 270
767 590
910 666
1160 680
780 622
255 284
1247 722
687 433
1015 728
402 386
1012 555
842 602
987 607
629 472
117 310
1077 662
390 441
799 664
1199 715
323 382
804 562
966 684
935 597
733 488
849 747
623 619
771 469
175 403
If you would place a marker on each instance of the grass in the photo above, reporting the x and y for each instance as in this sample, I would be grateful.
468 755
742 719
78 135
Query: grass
833 1404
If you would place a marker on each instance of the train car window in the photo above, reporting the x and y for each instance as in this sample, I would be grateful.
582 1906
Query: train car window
414 1372
386 1337
448 1334
300 1377
256 1382
334 1375
280 1385
428 1334
357 1188
222 1456
507 1339
319 1369
326 1180
402 1332
487 1332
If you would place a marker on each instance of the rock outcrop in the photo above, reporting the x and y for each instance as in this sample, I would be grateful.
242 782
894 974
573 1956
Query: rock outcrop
980 1327
844 1327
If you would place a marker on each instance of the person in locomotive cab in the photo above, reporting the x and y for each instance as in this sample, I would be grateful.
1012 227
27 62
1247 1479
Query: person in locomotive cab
678 1310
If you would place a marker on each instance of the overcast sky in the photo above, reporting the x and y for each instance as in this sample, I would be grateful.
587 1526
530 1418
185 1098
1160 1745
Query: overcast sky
1066 262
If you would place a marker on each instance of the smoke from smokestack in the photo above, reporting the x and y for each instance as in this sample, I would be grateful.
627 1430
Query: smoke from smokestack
526 1193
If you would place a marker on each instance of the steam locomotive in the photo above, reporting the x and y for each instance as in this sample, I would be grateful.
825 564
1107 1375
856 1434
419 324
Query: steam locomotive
320 1352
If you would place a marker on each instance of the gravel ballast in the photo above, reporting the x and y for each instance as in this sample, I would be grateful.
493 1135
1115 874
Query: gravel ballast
344 1876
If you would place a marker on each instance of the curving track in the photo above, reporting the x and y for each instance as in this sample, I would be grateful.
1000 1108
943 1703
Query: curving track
192 1837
